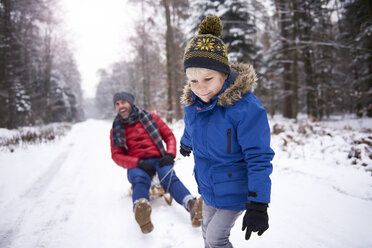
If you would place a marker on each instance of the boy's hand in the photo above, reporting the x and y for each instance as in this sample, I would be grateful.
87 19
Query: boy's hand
185 150
255 219
147 167
168 159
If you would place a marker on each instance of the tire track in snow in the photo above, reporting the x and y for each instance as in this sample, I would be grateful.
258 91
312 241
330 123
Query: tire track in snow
6 237
9 233
42 183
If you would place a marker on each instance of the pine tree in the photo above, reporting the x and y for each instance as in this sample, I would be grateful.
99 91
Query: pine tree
356 35
28 58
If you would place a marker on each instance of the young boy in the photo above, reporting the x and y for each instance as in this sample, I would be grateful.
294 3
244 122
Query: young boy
136 144
226 127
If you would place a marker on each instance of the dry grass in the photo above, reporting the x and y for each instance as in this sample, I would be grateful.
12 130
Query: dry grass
24 136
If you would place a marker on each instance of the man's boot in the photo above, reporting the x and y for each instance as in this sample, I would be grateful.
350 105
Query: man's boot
142 214
195 207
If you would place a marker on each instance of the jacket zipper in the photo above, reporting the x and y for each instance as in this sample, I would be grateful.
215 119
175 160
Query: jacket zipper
229 140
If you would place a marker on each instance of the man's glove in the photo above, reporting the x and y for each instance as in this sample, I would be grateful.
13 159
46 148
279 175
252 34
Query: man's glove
255 219
168 159
147 167
185 150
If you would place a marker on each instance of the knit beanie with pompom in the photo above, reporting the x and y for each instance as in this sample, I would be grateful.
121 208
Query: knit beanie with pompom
207 50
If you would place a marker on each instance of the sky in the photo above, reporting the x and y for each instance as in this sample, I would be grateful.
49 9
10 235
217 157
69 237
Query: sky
99 32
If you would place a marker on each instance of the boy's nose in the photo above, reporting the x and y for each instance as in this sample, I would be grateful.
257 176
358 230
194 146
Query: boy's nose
202 88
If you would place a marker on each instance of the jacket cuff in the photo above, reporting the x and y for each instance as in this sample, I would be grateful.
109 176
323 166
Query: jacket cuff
262 207
185 147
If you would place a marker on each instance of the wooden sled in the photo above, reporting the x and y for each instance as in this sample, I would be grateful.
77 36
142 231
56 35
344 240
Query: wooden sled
159 191
156 190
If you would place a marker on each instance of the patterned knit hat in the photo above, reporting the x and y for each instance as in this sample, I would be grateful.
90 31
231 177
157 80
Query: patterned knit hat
123 96
206 50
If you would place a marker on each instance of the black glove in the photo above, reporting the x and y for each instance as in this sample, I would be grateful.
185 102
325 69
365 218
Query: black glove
255 219
147 167
185 150
168 159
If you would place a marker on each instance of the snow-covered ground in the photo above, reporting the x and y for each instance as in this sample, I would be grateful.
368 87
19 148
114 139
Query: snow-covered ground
69 193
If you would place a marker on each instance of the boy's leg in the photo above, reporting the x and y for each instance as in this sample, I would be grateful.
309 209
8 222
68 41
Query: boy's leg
216 226
208 213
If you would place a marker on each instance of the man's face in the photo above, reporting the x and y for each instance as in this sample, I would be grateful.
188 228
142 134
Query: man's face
205 83
123 108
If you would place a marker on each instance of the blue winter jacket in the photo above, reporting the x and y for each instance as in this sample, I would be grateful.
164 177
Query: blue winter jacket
230 139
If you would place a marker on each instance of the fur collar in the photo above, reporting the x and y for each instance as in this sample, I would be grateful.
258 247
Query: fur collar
243 79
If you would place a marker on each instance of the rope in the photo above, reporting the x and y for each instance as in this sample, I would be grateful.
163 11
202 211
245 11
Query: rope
170 179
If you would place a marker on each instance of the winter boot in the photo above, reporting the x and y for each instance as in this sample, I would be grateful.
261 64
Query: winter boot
195 207
142 214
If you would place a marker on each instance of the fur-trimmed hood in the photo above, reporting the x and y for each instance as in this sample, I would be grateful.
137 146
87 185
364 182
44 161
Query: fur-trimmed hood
243 79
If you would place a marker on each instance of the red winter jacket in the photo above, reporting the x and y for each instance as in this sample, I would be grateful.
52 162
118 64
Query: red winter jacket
140 145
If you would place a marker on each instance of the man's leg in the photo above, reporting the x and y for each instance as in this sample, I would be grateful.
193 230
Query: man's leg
180 193
216 226
172 183
141 183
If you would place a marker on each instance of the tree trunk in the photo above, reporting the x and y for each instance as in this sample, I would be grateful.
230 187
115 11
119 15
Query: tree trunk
170 60
282 10
7 70
295 60
310 83
47 78
144 65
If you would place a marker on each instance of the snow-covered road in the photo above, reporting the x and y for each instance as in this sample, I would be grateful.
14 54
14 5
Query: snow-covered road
70 194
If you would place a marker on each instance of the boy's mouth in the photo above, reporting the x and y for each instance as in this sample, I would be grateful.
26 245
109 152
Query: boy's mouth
204 94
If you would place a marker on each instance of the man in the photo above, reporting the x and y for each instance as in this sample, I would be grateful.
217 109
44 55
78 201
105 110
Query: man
136 145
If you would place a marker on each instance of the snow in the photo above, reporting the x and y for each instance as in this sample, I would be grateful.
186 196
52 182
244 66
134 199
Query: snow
70 193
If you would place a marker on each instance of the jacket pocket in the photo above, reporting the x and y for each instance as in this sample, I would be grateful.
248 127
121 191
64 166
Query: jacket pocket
230 185
229 140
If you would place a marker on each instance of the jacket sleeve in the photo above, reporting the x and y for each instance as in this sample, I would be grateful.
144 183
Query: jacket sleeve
253 134
186 139
166 134
120 157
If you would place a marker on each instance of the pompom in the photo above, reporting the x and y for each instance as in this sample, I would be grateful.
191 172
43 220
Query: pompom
211 25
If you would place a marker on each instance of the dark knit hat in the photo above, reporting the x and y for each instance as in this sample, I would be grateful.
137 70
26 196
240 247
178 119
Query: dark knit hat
124 96
207 50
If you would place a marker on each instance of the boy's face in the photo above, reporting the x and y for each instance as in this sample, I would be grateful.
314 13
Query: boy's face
123 108
205 83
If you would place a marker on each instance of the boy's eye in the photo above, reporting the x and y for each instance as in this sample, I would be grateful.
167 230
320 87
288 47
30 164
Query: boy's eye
207 79
194 81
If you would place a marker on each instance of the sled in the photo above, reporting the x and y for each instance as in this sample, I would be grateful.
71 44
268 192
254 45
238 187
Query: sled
156 190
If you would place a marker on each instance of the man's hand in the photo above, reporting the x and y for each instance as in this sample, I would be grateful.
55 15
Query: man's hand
168 159
185 150
255 219
147 167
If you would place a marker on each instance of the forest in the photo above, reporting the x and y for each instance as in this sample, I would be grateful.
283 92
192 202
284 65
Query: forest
39 78
311 57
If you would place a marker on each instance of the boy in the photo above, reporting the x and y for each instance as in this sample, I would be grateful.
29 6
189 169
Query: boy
226 127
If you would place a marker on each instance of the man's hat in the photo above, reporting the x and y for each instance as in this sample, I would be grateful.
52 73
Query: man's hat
124 96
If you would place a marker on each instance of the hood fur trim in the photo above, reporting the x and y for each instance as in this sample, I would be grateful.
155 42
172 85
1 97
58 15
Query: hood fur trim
240 85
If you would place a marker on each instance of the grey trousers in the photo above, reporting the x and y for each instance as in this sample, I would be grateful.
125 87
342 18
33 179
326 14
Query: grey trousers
216 226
